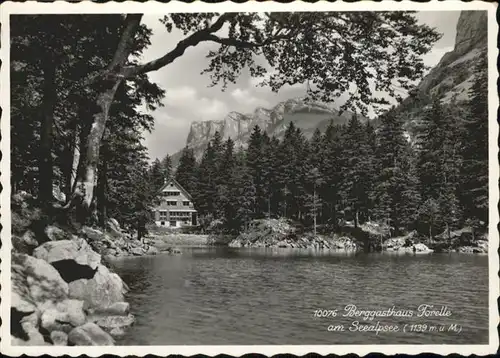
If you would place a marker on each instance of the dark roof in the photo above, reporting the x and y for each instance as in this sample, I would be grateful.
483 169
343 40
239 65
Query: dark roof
176 183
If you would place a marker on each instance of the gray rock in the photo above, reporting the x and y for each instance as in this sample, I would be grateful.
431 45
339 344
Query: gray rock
137 251
116 309
92 234
152 251
63 316
55 234
34 282
117 332
482 245
90 334
108 323
25 243
104 289
422 248
77 250
113 227
35 338
59 338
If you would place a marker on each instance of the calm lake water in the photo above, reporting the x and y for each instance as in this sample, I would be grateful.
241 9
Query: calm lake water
213 296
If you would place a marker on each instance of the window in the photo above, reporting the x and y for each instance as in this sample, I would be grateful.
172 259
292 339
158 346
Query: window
186 203
173 223
172 193
171 203
163 214
180 214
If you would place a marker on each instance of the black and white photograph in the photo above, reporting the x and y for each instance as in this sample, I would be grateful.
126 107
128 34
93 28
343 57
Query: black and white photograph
227 175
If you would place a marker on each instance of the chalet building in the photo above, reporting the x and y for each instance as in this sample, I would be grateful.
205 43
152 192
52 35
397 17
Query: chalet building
176 208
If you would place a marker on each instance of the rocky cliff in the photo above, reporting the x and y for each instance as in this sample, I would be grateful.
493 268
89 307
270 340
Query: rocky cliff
306 115
453 76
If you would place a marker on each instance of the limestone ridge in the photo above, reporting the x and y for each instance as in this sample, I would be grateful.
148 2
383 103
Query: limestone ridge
453 74
452 77
306 115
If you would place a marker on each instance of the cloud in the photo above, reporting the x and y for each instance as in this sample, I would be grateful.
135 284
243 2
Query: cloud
185 100
247 99
434 56
211 108
178 96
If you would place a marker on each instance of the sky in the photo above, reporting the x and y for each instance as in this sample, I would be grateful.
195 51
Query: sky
189 97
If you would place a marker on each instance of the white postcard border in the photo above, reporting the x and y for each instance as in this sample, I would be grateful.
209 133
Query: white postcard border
152 7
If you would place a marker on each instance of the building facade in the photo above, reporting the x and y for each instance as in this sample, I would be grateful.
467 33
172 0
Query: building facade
176 208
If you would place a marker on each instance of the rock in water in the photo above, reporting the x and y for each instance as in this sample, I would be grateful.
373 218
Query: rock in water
90 334
116 309
117 323
137 251
104 289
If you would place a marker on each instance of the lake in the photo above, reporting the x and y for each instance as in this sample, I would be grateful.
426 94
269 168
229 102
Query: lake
224 296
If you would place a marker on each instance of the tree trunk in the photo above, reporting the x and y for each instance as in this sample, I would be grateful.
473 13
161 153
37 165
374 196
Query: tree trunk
101 193
69 161
45 160
87 178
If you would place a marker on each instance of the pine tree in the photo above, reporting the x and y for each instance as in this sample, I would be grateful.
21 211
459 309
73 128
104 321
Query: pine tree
186 173
331 168
166 164
157 175
206 188
223 200
429 214
255 163
474 171
315 181
242 197
429 145
355 186
392 181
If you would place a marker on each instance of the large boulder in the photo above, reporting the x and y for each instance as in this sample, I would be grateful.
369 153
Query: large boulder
104 289
74 250
90 334
34 281
63 316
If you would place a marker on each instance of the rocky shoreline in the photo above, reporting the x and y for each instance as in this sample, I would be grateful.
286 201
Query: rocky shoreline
279 233
63 290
